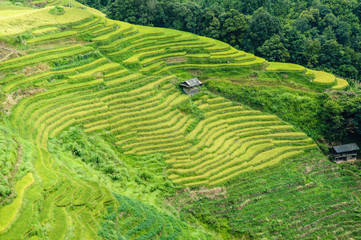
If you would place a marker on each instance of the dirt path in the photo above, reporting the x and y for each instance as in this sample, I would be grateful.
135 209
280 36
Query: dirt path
13 173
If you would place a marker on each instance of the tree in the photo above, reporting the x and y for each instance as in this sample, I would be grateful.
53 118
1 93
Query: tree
329 20
329 34
331 54
351 112
295 43
312 15
182 16
357 11
333 124
324 10
192 17
123 10
301 24
262 27
341 7
343 33
354 108
208 21
4 191
348 71
273 50
205 3
214 29
249 7
312 52
234 27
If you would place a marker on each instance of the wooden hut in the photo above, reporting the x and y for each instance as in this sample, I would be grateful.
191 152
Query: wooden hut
190 86
345 153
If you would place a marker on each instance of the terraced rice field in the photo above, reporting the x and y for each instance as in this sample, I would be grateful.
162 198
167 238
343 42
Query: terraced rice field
277 66
341 84
276 198
128 87
12 210
18 21
322 77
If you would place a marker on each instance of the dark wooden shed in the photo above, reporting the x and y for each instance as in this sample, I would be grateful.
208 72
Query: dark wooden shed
190 86
345 153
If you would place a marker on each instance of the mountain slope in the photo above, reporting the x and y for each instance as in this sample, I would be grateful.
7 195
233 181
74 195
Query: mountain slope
98 106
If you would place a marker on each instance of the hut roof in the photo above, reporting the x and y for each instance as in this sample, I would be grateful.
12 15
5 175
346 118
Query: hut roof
346 148
191 83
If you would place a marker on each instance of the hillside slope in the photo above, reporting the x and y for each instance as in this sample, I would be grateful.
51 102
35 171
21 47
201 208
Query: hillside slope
106 143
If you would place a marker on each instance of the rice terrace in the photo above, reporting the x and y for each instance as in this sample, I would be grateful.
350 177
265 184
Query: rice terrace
99 141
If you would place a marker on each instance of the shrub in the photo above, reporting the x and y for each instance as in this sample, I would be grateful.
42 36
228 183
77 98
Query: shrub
86 37
57 11
189 108
4 191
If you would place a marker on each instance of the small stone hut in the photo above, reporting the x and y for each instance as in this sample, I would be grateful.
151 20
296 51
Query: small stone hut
190 86
345 153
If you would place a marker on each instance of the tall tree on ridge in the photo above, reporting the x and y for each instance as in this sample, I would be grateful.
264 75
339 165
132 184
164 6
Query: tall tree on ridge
262 27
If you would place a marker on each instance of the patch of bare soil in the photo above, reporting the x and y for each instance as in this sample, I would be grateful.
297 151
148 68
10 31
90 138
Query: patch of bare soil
176 60
13 98
253 76
211 193
51 44
196 72
308 169
341 92
39 5
7 51
185 195
32 70
98 75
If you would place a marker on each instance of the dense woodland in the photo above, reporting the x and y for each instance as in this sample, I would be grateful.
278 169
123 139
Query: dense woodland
322 34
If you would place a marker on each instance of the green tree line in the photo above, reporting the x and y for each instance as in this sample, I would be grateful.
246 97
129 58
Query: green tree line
317 34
